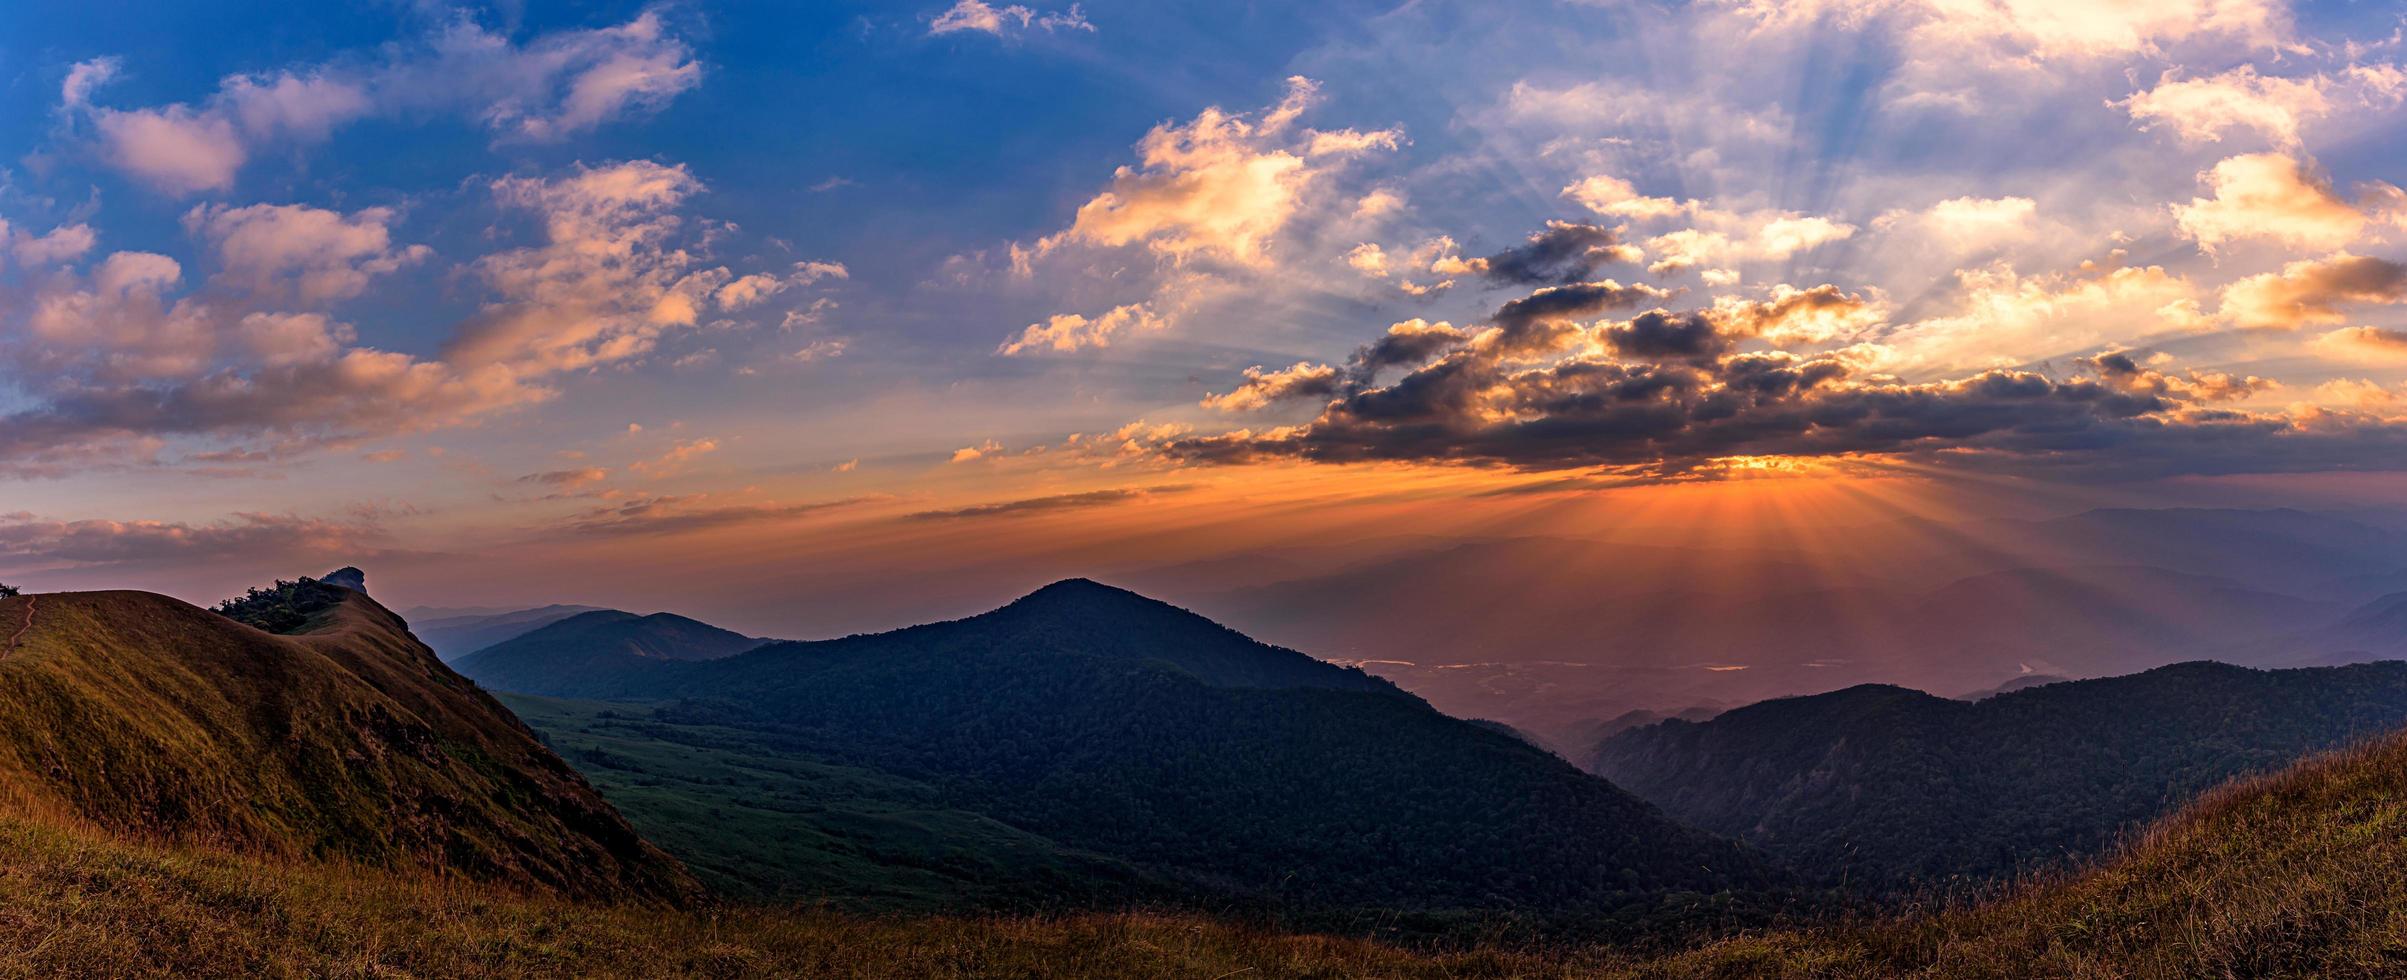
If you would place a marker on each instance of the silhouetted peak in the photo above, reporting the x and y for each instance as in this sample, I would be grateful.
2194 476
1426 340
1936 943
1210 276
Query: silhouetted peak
349 577
1087 596
2389 610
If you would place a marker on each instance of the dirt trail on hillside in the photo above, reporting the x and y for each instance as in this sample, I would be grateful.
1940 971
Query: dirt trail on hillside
14 639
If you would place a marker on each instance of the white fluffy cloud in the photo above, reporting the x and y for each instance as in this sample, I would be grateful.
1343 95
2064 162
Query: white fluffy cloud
1065 332
127 356
309 255
2011 31
1223 185
2271 196
551 86
64 243
2205 110
980 17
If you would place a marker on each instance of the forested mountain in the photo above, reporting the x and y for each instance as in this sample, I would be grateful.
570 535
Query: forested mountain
597 648
339 737
1109 724
1889 790
453 634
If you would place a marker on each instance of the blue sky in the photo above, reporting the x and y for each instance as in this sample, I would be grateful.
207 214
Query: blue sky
433 281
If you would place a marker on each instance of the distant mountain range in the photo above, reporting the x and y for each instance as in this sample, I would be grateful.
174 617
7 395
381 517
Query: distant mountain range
1116 727
1893 790
595 650
453 634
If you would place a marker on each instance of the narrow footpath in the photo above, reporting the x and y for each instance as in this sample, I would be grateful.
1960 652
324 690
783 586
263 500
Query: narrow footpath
19 636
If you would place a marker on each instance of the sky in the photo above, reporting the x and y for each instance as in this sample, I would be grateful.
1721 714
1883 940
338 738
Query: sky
816 318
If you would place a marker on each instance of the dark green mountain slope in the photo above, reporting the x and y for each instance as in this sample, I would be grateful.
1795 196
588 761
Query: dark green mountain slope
1115 725
1889 789
596 648
455 635
760 821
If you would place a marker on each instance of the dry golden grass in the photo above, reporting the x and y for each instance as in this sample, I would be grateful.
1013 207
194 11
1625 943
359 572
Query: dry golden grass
75 905
2301 873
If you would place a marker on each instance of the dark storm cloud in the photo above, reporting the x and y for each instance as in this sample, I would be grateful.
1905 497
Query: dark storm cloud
1541 321
1660 335
1566 252
1411 343
1675 397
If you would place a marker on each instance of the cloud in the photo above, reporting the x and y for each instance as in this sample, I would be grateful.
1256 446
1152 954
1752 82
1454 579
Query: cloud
1064 332
2003 317
2311 291
1566 252
240 538
663 515
676 458
984 18
567 479
175 150
1612 196
1674 419
1789 316
302 254
1260 389
745 292
1659 335
2205 110
1222 185
552 86
1538 322
114 360
85 76
606 282
2019 33
2272 196
2373 345
2123 374
62 244
1723 239
1962 225
1048 504
1409 343
1680 395
2202 110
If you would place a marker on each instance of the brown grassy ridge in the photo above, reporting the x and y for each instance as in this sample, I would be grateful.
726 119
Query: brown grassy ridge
144 717
73 905
2300 873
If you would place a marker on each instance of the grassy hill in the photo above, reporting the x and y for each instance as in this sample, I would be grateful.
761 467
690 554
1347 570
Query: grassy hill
143 716
2300 873
1895 790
